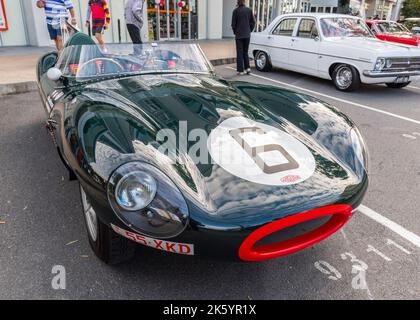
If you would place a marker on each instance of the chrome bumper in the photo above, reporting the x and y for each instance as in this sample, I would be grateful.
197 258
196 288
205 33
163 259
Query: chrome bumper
390 74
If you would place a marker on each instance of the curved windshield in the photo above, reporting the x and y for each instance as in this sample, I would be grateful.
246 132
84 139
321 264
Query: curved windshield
344 27
87 62
391 27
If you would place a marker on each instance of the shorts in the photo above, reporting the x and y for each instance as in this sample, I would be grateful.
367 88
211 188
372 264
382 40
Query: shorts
54 30
97 29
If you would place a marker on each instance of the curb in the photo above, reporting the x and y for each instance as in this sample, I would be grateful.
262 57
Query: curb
219 62
29 86
16 88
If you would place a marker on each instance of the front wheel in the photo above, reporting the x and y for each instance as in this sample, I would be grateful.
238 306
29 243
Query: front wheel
107 245
262 62
398 85
346 78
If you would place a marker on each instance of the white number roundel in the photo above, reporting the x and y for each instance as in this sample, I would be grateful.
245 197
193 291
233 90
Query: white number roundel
260 153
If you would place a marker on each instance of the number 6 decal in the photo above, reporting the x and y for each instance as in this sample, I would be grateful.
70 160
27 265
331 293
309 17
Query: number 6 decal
254 152
260 153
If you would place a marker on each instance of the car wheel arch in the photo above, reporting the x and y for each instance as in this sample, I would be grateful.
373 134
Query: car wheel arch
335 64
254 54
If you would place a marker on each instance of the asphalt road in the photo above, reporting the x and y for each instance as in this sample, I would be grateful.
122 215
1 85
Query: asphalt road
376 255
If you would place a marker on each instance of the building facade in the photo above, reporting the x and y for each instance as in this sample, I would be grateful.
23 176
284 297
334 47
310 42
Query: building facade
174 19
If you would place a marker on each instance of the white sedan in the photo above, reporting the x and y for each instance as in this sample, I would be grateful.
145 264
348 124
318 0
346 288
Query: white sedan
340 48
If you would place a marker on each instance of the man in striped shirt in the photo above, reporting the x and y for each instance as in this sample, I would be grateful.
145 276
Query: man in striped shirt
55 11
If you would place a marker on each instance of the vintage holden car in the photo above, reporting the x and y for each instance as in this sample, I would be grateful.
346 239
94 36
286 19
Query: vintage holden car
393 32
172 157
340 48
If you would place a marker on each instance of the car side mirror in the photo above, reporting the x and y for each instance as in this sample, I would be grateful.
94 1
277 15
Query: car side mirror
54 74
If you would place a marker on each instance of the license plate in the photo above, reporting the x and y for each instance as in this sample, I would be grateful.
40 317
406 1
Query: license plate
402 79
173 247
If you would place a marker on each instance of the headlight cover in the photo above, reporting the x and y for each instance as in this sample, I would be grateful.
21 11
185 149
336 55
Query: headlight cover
146 200
380 64
135 190
359 149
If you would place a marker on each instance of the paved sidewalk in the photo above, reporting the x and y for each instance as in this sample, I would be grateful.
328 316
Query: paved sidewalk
17 64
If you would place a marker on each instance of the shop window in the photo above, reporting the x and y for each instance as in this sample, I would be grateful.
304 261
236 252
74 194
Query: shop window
167 20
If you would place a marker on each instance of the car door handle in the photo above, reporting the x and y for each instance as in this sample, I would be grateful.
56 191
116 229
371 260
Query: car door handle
270 37
294 40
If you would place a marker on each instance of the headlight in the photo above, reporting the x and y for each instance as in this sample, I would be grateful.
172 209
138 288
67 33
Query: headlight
380 64
146 200
359 149
135 191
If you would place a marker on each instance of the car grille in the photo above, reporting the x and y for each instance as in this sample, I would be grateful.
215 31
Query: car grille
404 64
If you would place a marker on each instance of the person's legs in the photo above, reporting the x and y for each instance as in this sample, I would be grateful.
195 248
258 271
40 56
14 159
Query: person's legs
55 34
134 32
246 54
58 43
97 31
239 55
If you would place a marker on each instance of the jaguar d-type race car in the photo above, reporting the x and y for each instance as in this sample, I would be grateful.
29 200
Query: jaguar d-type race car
170 156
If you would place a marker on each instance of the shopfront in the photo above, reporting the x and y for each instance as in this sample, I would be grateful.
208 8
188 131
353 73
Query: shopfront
172 19
263 11
13 31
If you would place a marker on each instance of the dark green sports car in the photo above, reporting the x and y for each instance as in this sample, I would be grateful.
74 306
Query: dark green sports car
172 157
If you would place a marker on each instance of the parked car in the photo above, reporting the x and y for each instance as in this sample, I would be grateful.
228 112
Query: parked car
279 170
412 24
393 32
340 48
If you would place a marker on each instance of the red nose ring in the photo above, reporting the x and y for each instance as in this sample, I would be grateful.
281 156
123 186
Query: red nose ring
249 251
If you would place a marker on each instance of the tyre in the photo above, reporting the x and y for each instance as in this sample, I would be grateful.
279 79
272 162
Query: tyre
108 246
398 85
262 62
346 77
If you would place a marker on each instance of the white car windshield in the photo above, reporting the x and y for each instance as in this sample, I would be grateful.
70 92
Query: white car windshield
86 62
344 27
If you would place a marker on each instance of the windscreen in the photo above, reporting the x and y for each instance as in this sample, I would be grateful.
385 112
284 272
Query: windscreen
88 62
344 27
392 27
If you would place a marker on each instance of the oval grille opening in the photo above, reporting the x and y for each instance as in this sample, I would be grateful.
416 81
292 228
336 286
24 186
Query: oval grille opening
268 242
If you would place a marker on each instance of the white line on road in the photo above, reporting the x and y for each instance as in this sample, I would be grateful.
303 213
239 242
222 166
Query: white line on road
414 87
337 99
409 136
407 235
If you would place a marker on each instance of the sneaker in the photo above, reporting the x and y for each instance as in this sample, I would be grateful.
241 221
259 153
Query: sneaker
241 73
248 71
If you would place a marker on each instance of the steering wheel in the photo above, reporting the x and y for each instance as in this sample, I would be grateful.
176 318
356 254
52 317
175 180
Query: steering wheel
168 59
99 66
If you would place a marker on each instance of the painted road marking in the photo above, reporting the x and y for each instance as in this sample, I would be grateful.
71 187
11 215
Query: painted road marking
391 242
337 99
401 231
409 136
414 87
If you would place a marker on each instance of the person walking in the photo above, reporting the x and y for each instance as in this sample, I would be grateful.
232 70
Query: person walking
101 18
55 11
243 22
134 19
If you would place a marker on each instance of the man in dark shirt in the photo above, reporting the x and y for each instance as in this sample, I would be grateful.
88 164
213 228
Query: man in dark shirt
243 22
